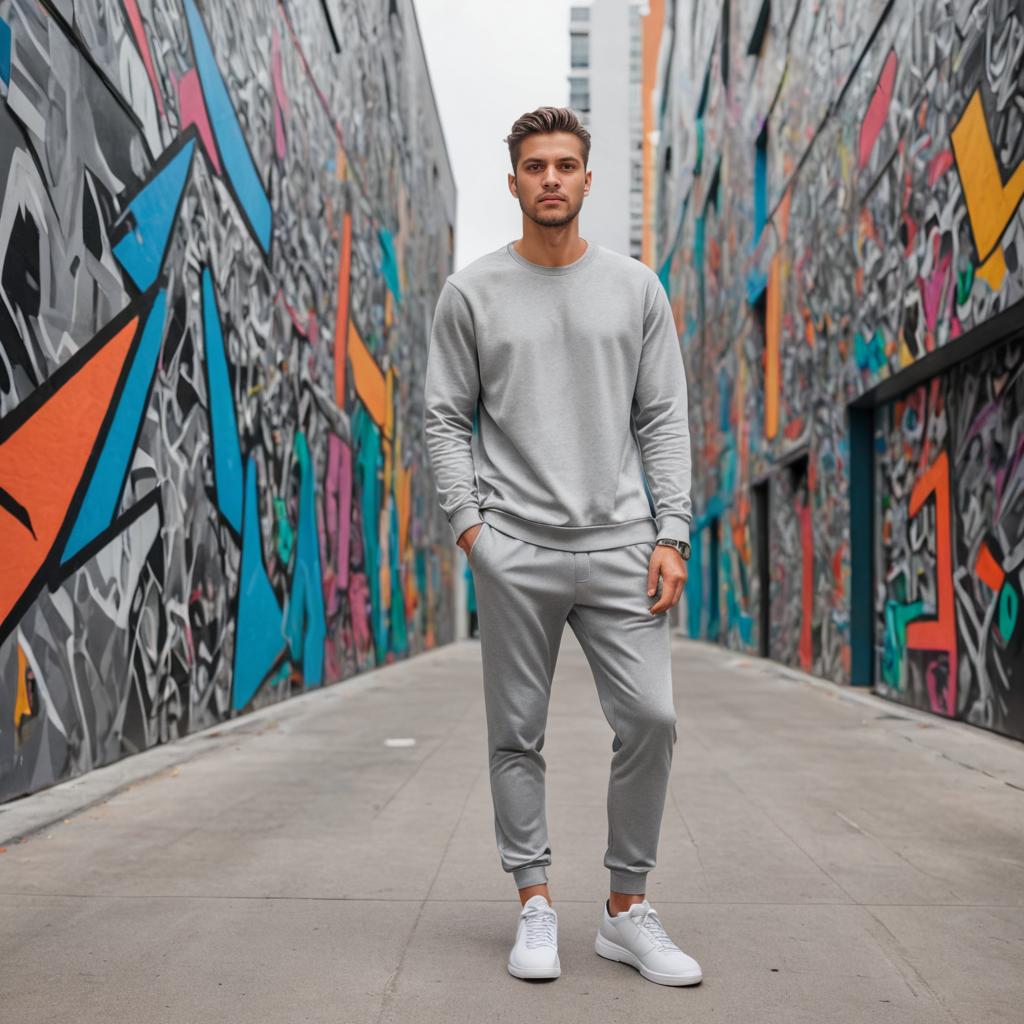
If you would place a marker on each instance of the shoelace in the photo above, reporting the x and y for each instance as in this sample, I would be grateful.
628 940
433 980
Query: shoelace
649 921
540 927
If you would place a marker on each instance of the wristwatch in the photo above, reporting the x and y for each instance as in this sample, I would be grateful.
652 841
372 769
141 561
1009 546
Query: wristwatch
680 545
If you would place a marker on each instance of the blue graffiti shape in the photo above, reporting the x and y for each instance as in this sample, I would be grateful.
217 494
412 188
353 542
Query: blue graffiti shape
367 444
869 354
227 453
258 636
103 494
5 52
757 281
154 209
399 634
231 144
306 622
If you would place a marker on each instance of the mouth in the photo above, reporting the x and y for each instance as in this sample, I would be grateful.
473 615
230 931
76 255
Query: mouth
553 199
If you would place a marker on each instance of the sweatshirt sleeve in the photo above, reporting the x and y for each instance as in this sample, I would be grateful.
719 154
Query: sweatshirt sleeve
451 390
661 417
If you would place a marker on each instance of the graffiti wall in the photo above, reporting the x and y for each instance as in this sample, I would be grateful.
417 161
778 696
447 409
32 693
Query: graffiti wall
951 520
839 203
223 228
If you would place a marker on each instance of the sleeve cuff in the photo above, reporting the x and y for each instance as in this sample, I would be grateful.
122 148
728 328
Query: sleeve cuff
674 528
463 518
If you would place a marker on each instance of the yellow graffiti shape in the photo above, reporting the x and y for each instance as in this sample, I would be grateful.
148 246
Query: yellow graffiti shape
990 202
993 270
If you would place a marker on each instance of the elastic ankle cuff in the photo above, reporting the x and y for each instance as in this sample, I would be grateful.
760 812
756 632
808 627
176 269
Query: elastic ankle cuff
534 874
632 882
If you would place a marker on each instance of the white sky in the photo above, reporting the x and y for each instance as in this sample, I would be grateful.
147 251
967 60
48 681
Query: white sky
491 61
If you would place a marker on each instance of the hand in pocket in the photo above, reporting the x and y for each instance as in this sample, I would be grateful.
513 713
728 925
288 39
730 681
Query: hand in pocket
469 538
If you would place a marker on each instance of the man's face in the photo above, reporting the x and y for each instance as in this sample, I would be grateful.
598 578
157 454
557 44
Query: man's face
550 165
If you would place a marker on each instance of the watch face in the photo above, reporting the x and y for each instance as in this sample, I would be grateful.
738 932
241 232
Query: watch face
680 545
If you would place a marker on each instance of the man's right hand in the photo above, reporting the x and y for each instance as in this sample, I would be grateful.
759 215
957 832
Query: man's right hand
468 537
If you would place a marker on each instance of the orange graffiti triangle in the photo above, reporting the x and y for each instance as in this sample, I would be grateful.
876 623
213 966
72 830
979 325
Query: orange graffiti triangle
42 462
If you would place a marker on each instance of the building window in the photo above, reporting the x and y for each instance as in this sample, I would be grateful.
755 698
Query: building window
579 94
579 49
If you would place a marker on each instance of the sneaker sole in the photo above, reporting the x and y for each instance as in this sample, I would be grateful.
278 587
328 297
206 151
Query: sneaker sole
612 951
534 972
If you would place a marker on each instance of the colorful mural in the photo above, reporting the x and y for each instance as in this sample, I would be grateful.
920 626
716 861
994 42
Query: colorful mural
951 476
222 234
839 208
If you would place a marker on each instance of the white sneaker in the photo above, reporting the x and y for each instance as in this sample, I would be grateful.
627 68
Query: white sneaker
636 937
535 953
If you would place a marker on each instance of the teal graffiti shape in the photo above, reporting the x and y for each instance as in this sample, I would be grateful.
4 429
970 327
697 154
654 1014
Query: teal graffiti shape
227 450
367 443
258 640
389 263
869 355
399 635
1009 605
306 621
285 533
895 645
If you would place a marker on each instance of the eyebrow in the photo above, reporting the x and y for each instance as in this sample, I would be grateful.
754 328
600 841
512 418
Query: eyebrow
560 160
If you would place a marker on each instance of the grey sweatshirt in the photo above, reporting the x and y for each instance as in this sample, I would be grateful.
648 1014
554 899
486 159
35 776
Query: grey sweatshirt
576 378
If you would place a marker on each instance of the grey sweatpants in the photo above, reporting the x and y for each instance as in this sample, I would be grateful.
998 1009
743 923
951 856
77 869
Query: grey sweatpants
525 595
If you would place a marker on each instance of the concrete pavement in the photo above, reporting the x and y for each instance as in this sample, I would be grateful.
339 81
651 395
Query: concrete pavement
825 855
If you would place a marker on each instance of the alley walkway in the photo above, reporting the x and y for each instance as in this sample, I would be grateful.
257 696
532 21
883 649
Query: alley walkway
826 856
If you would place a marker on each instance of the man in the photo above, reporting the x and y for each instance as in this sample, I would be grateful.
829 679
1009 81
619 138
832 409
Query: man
567 353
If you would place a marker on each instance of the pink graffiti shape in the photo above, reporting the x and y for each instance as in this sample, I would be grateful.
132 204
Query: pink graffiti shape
932 289
360 608
135 18
305 325
878 109
193 111
338 502
939 165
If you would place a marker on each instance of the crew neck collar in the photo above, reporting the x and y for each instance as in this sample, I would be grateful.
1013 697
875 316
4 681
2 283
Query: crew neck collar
565 268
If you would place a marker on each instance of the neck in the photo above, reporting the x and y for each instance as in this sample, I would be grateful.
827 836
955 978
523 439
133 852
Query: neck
551 247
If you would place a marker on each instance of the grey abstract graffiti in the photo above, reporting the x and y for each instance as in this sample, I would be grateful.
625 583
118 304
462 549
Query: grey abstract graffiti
224 223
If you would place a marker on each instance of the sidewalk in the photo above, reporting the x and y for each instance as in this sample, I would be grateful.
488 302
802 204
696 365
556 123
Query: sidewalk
825 855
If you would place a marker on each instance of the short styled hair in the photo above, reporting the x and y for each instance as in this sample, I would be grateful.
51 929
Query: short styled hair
545 120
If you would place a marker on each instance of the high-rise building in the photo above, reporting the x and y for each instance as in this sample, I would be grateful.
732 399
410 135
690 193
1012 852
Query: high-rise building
604 91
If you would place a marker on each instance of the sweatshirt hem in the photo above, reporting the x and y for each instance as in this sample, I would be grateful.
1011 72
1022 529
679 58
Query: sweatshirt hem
573 538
